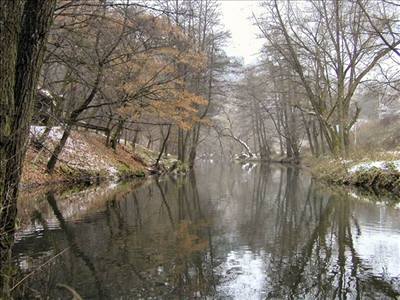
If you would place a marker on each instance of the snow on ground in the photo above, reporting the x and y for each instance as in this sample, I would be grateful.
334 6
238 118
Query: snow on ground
76 152
346 161
46 93
393 152
55 132
383 165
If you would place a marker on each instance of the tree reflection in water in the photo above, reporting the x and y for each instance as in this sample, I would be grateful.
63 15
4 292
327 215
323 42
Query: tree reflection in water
313 251
259 232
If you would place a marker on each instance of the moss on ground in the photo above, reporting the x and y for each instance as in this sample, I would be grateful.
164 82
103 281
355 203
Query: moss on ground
376 179
328 170
179 168
149 157
373 179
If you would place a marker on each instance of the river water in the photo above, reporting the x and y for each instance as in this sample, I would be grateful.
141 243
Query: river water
223 232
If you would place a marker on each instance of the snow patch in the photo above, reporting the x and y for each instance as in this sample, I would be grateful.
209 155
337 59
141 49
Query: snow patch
54 134
354 195
45 93
77 152
346 161
383 165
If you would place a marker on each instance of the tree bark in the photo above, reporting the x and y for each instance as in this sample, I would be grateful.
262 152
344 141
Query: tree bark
165 140
23 30
51 164
117 133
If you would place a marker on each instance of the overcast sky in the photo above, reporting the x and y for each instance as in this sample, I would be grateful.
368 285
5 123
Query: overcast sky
236 17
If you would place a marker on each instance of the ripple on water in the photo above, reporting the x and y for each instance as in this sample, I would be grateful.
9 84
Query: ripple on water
244 275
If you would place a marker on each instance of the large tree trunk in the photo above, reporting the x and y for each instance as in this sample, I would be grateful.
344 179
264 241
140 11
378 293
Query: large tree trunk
193 147
117 134
23 29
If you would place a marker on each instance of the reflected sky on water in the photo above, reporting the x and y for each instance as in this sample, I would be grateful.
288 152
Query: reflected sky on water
222 232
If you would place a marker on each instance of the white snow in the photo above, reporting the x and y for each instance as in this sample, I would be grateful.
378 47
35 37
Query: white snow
346 161
354 195
383 165
77 152
45 92
393 152
112 171
55 132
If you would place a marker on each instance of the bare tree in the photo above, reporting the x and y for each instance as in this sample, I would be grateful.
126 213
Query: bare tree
330 48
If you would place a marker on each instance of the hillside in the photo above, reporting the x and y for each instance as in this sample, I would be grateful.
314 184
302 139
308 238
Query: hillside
85 157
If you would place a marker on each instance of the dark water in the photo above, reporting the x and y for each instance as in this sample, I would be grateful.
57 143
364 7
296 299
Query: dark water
233 232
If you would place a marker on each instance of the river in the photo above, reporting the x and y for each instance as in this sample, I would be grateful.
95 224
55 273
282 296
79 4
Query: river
222 232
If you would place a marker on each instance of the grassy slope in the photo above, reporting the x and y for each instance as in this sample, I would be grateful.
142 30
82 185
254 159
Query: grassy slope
85 156
359 172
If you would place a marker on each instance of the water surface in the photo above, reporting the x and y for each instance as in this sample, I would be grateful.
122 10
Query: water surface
232 232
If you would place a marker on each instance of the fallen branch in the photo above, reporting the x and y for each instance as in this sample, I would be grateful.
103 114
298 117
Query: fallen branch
38 268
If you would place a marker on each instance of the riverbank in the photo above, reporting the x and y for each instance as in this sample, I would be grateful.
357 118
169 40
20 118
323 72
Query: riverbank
86 159
379 173
98 240
244 158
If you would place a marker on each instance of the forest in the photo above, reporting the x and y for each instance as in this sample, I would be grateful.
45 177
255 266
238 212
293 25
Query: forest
106 98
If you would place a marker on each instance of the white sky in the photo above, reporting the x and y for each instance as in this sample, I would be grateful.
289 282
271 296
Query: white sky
236 17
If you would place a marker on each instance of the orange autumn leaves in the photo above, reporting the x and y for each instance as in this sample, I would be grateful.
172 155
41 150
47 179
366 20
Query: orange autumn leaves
182 109
149 62
188 242
155 80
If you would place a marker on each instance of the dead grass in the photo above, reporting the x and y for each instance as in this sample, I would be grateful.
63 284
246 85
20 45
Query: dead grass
85 155
327 168
361 155
375 180
379 136
377 141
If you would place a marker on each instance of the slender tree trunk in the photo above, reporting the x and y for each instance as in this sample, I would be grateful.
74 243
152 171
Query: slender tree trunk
163 145
149 142
321 135
193 148
71 122
51 164
108 131
42 138
314 134
135 138
117 133
182 140
309 134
